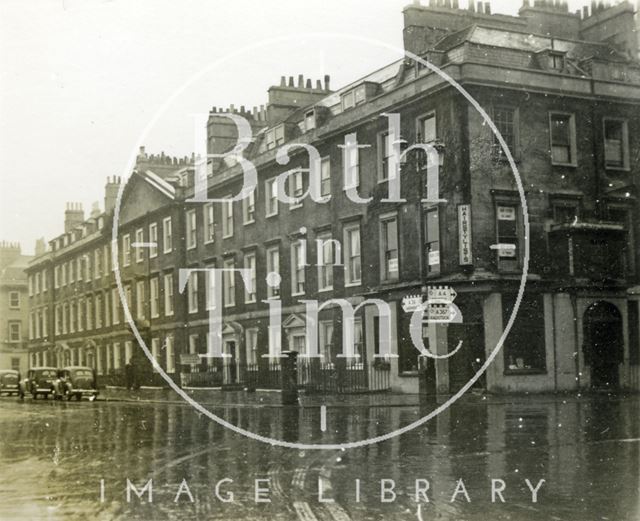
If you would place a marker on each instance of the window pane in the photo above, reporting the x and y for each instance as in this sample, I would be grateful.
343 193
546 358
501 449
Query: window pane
613 143
428 129
560 130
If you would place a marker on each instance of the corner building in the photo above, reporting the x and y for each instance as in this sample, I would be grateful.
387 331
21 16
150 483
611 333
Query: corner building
563 90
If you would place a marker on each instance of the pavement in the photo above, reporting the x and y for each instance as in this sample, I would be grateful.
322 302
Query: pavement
260 398
217 397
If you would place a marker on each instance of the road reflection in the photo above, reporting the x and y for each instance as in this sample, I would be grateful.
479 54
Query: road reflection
54 456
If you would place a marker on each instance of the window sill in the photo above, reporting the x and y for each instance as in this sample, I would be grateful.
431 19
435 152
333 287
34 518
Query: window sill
295 207
565 165
408 374
325 290
270 215
353 284
618 169
211 241
524 372
247 223
228 236
297 294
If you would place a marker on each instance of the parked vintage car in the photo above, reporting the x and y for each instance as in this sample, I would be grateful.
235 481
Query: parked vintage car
9 381
39 380
75 381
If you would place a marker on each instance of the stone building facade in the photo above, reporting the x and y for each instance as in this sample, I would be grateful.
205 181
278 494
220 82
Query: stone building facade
14 307
562 89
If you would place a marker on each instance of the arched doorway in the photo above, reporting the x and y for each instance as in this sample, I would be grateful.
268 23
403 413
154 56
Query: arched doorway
603 344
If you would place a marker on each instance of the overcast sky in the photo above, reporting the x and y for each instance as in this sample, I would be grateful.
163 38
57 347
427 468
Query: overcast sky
80 80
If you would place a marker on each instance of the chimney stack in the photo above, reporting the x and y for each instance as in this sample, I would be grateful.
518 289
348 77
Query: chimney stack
9 252
327 82
95 210
73 216
111 190
41 247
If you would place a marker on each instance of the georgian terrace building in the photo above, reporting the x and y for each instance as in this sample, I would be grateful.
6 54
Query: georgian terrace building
564 96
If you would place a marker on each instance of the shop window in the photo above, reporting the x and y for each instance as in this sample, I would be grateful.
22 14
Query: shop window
567 212
524 348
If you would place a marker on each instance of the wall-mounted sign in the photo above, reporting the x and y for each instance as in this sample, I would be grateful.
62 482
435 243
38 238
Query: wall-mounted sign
464 235
506 213
445 293
411 303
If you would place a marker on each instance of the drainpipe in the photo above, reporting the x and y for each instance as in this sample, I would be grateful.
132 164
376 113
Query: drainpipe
574 305
555 345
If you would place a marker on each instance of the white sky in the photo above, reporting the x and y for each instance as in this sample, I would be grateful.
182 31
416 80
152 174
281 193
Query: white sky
81 79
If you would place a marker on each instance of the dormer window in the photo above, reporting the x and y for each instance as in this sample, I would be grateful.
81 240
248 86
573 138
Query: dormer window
309 120
354 97
556 61
274 137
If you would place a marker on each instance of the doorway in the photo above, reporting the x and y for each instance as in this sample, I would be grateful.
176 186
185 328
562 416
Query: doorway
231 363
603 344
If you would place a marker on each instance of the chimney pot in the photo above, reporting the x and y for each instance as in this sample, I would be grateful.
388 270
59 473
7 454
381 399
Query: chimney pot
283 81
487 7
291 81
318 85
300 81
479 7
309 85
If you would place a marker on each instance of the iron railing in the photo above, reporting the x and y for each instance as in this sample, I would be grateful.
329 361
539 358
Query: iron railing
340 377
209 376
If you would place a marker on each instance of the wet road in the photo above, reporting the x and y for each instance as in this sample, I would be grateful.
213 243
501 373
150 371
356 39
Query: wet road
587 449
